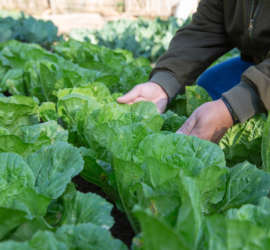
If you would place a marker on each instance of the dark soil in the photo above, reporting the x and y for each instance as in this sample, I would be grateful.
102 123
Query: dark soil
6 93
122 229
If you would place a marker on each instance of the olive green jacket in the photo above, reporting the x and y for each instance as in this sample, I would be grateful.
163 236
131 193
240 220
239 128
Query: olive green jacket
216 28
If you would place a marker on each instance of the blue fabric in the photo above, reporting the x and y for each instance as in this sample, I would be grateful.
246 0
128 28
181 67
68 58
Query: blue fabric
223 76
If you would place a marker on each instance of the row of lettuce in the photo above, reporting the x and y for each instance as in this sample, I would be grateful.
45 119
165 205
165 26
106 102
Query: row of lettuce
142 37
179 192
27 29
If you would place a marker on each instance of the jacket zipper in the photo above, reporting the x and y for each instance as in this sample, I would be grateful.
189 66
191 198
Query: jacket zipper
254 11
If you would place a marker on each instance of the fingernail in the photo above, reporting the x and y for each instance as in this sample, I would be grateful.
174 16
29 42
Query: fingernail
179 132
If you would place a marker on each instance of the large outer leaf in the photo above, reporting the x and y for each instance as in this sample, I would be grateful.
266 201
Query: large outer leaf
156 173
46 241
82 237
14 169
190 218
196 96
70 101
14 144
47 111
229 235
243 142
86 208
99 90
157 234
127 175
17 196
266 146
163 201
88 237
15 111
27 229
179 106
151 116
98 172
10 219
265 203
161 146
24 199
53 167
48 81
245 184
127 140
13 245
50 129
14 77
34 137
172 121
255 214
212 185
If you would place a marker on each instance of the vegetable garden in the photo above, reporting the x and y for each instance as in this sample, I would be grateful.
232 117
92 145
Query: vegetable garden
62 130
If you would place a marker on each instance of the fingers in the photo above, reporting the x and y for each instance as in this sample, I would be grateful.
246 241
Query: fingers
130 96
138 99
188 126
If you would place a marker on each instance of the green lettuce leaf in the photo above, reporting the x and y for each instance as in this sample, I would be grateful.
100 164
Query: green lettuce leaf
86 208
87 237
98 172
190 218
196 96
243 142
172 121
15 113
162 147
255 214
266 146
245 184
157 234
233 234
27 229
47 112
14 77
53 167
33 138
10 219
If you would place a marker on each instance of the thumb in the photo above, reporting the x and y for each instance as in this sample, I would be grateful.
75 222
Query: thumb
188 126
130 96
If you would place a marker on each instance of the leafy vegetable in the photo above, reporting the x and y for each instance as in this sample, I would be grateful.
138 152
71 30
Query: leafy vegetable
245 184
243 142
69 237
143 37
28 29
265 146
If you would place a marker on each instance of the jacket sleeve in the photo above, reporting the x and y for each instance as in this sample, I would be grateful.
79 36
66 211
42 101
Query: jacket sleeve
193 49
252 94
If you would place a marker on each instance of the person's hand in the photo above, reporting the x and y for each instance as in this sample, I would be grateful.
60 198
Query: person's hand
210 121
149 91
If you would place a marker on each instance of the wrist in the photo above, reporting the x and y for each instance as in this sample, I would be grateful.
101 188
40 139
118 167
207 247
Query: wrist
160 91
225 114
232 113
168 83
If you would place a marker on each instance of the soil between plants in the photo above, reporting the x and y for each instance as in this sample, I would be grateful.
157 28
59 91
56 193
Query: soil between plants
121 229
